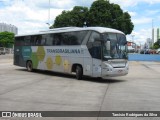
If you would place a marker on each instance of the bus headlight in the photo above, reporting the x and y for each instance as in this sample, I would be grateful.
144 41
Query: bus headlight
107 67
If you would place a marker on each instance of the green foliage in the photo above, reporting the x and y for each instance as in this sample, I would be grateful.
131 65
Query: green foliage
76 17
156 44
101 13
6 39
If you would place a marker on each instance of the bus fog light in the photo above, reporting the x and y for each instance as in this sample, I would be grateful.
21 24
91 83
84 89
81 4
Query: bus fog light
108 69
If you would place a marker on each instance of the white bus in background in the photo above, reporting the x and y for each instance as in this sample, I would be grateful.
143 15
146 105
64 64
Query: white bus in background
90 51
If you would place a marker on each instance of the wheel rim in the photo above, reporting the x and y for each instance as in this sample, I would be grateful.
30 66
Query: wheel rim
29 66
77 73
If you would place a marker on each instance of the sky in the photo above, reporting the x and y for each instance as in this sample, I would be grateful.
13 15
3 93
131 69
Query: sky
32 15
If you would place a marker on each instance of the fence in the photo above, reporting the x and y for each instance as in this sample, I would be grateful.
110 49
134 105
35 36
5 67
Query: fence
144 57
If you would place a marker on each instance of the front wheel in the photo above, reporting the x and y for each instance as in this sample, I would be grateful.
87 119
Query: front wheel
29 66
79 72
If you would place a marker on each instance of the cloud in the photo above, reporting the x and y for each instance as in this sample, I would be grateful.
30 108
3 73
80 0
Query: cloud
130 3
152 12
45 4
124 3
132 13
142 20
33 15
140 36
27 17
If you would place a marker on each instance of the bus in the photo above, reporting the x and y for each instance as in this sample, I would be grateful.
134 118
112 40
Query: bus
91 51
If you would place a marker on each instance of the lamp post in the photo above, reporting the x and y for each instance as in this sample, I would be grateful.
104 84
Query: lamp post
48 23
132 38
49 12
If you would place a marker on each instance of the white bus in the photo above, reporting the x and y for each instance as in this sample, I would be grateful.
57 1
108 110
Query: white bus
91 51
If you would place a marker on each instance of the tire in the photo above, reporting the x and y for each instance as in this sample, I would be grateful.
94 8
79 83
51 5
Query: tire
79 72
29 66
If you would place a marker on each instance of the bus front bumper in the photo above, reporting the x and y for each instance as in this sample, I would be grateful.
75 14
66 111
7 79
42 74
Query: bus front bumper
114 72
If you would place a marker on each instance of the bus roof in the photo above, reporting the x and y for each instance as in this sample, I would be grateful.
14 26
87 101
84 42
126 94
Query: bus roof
71 29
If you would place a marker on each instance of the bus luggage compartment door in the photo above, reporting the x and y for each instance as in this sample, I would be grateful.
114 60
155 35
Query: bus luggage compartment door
96 70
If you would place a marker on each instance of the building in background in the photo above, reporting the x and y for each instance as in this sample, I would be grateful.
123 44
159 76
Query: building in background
155 34
133 47
9 28
149 43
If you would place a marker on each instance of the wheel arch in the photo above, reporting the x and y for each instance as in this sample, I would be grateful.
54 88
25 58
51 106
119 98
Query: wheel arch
28 61
74 67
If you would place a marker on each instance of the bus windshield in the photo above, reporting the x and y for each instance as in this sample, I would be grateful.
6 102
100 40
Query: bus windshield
117 48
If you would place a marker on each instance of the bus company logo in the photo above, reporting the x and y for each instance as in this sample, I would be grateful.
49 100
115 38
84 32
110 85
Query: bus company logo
69 51
6 114
120 71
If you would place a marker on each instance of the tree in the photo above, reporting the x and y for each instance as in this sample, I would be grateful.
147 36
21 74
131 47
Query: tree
101 13
104 14
6 39
157 44
76 17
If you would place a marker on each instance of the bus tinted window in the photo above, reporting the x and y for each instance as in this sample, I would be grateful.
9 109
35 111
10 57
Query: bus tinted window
38 40
94 45
49 40
68 38
19 41
58 39
27 40
73 38
33 40
44 39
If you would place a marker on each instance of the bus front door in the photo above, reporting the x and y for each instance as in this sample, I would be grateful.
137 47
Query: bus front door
96 70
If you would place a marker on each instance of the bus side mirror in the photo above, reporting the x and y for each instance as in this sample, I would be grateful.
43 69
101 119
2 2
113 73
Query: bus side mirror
108 45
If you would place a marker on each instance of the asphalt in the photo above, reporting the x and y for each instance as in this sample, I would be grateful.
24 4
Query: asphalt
47 91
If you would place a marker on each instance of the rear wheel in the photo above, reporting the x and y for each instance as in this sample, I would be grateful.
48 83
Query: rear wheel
79 72
29 66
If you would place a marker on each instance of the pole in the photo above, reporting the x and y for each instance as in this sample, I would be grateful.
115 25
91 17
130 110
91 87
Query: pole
152 23
49 12
132 38
48 23
153 31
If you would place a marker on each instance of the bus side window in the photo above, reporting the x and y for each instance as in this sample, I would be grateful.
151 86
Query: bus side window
76 38
80 36
73 38
44 39
94 46
57 39
38 39
49 40
33 40
19 41
66 38
27 40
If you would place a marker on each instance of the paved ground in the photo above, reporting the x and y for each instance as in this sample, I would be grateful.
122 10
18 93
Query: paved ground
46 91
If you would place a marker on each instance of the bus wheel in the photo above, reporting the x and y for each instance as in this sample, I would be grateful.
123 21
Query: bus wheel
79 72
29 66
